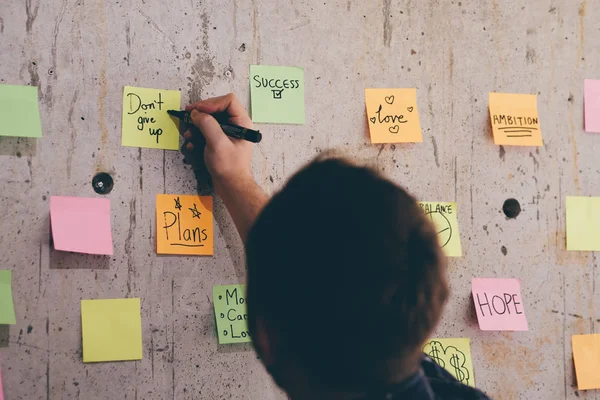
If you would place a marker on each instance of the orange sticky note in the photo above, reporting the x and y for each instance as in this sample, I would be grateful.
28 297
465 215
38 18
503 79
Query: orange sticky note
184 224
393 116
586 353
515 120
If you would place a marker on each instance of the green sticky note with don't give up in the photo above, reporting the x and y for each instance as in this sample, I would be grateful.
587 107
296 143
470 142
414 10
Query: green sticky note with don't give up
7 308
277 94
231 314
19 111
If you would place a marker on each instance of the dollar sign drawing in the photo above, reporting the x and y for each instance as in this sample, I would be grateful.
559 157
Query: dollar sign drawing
458 369
435 354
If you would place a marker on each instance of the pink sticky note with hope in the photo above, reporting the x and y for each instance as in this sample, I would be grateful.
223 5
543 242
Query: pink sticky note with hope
592 105
81 225
499 305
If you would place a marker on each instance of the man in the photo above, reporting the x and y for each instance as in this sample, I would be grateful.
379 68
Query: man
346 279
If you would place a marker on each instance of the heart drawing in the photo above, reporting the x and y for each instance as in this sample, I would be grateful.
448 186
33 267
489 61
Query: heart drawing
373 119
410 109
394 129
389 99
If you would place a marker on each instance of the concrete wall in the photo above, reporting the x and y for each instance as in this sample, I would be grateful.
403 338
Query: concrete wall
82 52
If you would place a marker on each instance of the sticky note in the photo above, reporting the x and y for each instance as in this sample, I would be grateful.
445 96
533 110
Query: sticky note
7 307
277 94
393 116
583 223
592 105
81 224
231 314
184 224
515 120
444 218
586 354
19 111
111 329
499 305
145 119
453 354
1 388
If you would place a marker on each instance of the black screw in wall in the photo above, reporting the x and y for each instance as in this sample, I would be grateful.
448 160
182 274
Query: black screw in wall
511 208
102 183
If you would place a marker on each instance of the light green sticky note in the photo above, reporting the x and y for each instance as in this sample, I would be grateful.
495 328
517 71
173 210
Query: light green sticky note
19 111
444 217
453 354
231 314
583 223
7 308
277 94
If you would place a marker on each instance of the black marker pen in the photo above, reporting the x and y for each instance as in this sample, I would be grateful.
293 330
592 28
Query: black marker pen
230 130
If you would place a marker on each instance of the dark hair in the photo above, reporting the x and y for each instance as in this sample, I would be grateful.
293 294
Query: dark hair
346 268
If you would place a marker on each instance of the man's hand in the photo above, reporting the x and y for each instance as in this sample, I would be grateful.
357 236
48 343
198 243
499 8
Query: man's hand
227 159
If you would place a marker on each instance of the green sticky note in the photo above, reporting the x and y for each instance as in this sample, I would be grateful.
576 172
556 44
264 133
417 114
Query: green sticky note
453 354
443 215
231 314
583 223
7 308
277 94
19 111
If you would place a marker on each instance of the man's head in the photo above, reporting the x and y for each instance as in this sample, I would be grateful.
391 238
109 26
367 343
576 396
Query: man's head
345 278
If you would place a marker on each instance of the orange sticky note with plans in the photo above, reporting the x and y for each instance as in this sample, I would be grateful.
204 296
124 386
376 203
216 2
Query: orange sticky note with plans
393 116
586 354
184 224
515 120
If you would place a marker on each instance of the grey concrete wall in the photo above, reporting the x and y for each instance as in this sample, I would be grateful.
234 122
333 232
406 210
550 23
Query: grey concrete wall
82 52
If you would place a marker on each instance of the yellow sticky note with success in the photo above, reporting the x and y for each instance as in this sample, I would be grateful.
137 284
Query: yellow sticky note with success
586 354
145 119
393 116
583 223
453 354
444 218
515 120
184 224
111 330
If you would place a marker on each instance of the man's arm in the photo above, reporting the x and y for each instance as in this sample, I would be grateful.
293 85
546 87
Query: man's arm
229 160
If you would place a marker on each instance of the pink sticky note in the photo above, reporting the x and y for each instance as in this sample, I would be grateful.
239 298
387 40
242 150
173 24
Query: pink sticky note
81 225
499 305
592 105
1 389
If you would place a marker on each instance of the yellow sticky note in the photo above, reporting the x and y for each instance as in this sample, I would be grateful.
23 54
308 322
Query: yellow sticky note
393 116
444 218
583 223
145 119
184 224
515 120
111 329
586 354
453 354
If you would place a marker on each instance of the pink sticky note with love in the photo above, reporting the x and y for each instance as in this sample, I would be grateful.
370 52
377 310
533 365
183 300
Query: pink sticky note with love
499 305
81 225
592 105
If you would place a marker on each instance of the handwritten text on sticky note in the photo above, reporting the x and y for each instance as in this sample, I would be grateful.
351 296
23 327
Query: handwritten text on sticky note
231 314
444 218
7 308
515 119
586 354
19 111
453 354
111 330
145 119
583 223
277 94
81 225
184 224
592 105
499 305
393 116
